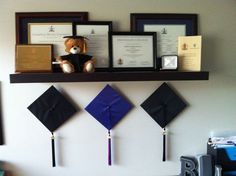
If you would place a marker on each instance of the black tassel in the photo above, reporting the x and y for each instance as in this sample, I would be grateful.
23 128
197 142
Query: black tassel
53 151
164 145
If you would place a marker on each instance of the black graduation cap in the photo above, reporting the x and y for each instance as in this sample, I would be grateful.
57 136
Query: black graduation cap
52 109
76 37
163 106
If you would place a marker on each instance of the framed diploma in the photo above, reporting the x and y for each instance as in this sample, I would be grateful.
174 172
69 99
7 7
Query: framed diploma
132 51
97 33
50 33
46 27
168 28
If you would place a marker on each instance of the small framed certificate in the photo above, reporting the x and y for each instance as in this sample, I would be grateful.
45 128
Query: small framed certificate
97 33
132 51
33 58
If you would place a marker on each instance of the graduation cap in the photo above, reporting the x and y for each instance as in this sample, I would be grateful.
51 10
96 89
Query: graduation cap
108 107
76 37
52 109
163 106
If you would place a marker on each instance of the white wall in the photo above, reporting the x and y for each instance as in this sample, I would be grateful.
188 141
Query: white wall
137 139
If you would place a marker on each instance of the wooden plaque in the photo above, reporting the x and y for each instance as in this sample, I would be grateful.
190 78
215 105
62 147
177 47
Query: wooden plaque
33 58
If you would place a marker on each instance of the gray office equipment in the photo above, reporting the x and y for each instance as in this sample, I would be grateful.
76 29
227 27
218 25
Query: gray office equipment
188 166
218 170
205 165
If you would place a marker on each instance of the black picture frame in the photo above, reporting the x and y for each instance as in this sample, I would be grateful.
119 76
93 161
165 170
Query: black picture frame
23 18
101 37
1 124
134 50
189 21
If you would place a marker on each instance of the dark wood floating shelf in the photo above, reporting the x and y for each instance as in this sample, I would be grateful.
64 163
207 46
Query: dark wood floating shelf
107 76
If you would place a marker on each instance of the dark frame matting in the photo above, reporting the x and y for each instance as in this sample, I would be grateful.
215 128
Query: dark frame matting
152 34
23 18
98 23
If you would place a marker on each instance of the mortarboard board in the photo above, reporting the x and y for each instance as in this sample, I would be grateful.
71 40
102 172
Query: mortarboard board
108 107
76 37
163 106
52 109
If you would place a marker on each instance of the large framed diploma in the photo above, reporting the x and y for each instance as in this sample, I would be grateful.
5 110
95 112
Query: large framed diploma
97 33
168 28
50 33
132 51
24 18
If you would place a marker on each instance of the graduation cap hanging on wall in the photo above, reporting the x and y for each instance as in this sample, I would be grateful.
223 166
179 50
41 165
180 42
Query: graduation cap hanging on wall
163 106
52 109
108 108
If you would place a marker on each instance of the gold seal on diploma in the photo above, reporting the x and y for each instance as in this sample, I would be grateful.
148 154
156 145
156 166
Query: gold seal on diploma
184 46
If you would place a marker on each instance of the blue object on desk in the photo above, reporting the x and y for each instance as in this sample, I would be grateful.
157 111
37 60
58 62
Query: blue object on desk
231 152
224 155
230 173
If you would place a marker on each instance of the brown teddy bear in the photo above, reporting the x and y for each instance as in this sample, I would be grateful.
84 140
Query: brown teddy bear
76 60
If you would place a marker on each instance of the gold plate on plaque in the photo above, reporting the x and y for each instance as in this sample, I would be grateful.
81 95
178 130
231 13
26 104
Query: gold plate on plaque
33 58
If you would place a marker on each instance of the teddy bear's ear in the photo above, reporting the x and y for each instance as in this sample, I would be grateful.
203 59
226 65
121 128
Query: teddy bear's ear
66 41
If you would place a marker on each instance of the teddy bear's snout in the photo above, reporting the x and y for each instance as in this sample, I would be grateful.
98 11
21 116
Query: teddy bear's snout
75 50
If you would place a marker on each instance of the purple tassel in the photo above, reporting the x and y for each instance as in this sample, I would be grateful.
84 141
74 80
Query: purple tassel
109 148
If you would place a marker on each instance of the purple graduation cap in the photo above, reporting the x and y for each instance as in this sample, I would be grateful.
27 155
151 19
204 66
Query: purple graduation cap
163 106
52 109
108 107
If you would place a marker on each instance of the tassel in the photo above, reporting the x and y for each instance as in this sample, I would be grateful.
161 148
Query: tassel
109 148
53 151
164 145
84 50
